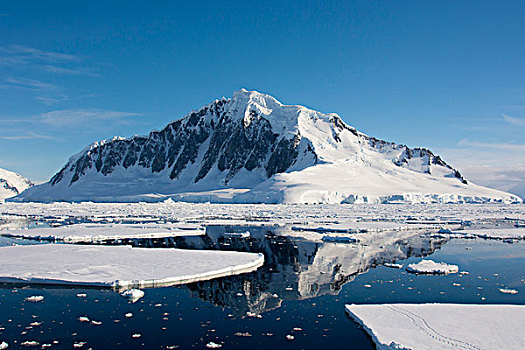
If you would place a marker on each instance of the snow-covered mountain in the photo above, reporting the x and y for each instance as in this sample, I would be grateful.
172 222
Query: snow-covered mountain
252 148
12 184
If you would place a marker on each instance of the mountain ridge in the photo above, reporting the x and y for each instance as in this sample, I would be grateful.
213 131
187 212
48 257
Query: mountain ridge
252 148
12 184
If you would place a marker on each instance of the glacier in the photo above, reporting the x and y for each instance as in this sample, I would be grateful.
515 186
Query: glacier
253 149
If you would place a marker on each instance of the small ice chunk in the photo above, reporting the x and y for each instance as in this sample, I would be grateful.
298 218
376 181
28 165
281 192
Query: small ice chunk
3 345
241 334
79 344
96 323
133 295
34 298
290 337
367 286
30 343
81 295
432 267
393 265
128 315
136 335
508 291
212 345
83 319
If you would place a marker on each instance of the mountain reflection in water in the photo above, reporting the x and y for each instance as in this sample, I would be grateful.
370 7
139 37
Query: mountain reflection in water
295 267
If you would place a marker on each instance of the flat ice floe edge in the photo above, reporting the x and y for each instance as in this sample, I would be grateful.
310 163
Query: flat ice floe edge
494 233
85 233
441 326
119 267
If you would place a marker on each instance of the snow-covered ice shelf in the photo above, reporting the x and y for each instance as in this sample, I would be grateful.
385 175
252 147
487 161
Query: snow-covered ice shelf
100 232
120 267
431 267
442 326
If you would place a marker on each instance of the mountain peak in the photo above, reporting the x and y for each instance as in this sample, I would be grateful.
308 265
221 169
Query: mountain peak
253 148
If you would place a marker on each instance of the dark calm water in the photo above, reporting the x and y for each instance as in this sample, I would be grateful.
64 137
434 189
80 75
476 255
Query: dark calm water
301 291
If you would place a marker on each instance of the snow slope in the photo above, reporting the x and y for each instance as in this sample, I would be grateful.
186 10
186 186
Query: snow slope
12 184
442 326
253 149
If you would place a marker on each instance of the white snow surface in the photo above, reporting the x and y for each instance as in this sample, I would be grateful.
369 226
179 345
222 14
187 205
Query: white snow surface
348 167
99 232
120 267
12 184
433 268
442 326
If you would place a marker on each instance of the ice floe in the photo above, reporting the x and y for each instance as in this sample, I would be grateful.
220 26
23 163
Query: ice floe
212 345
393 265
29 343
442 326
34 298
508 291
120 267
431 267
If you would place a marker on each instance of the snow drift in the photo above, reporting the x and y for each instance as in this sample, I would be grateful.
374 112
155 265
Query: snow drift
253 149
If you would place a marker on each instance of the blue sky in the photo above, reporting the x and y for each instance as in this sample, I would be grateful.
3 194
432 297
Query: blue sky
445 75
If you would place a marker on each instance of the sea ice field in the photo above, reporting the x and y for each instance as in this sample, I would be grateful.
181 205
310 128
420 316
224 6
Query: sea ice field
314 260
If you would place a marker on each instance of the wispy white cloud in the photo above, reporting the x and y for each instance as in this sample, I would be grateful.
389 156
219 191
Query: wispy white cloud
26 136
26 84
514 120
22 61
20 54
496 165
70 71
62 118
52 100
495 145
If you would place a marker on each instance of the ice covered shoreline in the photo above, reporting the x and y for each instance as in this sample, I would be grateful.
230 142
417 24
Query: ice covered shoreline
441 326
119 267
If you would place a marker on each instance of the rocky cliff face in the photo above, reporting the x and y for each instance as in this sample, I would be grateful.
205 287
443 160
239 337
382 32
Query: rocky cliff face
239 144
